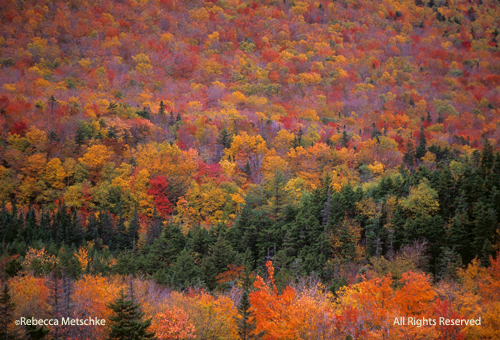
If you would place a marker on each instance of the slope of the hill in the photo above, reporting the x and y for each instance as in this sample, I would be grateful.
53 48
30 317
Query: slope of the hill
325 131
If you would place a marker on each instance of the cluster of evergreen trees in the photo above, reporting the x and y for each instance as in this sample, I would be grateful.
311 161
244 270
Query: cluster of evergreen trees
455 207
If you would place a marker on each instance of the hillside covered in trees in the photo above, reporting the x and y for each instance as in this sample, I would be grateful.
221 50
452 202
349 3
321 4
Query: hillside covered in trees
277 169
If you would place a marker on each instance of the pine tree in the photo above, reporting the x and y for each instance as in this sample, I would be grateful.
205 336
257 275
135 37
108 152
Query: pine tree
7 312
344 140
409 156
79 136
171 121
246 321
247 170
133 230
178 118
225 139
297 140
162 108
422 145
155 228
185 269
487 158
120 236
36 333
126 323
278 197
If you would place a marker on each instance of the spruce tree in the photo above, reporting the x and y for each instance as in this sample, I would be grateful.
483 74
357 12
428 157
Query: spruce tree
344 140
409 156
127 323
120 236
297 140
487 158
225 139
162 108
133 230
7 312
422 145
36 333
246 321
171 121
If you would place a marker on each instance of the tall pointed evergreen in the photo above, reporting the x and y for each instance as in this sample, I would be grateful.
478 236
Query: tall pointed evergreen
133 230
120 236
171 120
225 139
162 108
127 320
409 156
422 144
7 313
35 332
155 228
246 320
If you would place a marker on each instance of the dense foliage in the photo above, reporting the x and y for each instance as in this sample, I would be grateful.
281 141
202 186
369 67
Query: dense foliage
324 149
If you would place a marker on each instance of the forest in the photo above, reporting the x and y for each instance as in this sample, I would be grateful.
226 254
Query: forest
236 169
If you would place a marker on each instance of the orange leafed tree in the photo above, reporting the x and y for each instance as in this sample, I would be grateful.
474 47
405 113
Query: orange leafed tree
173 325
273 311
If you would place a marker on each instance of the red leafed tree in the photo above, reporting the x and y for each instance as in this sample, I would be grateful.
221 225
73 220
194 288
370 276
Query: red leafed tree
158 187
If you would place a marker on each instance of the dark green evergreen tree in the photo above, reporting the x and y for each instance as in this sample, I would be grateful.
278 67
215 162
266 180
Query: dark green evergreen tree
120 236
221 254
162 108
154 228
487 158
422 144
35 332
297 140
7 313
246 321
225 138
345 139
171 120
127 320
247 170
185 272
133 230
80 136
409 156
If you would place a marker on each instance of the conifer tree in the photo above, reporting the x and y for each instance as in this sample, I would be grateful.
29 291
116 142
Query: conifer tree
344 140
409 156
162 108
127 323
225 139
246 321
120 236
6 312
171 121
422 145
133 230
35 332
